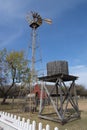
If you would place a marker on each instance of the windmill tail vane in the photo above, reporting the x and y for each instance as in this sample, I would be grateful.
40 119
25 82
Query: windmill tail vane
49 21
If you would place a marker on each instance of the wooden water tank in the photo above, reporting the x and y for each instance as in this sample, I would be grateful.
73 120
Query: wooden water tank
57 67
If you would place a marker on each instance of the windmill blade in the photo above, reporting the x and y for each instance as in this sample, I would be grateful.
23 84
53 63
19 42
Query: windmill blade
29 17
49 21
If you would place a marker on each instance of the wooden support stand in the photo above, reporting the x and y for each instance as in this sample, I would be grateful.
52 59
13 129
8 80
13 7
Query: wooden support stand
65 105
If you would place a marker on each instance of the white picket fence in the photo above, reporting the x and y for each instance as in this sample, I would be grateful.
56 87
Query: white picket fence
12 122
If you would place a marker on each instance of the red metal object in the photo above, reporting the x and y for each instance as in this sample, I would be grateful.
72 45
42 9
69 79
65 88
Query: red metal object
37 91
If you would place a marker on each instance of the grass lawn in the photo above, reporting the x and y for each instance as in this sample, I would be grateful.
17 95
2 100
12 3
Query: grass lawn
16 108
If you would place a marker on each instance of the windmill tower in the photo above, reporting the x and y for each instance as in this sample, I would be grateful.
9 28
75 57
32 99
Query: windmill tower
35 21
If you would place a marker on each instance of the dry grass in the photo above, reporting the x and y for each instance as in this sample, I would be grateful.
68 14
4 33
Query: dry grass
80 124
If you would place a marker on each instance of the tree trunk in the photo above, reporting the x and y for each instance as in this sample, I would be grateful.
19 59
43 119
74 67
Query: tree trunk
4 100
6 94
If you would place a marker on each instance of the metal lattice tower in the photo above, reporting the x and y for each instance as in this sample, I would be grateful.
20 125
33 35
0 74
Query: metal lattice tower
35 21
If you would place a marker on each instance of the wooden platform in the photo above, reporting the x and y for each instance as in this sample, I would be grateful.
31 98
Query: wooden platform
53 78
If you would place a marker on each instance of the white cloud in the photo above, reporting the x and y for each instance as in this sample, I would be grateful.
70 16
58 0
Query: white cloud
9 10
56 8
81 72
11 22
8 41
15 8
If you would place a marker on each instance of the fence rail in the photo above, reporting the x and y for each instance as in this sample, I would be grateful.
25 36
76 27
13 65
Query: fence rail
12 122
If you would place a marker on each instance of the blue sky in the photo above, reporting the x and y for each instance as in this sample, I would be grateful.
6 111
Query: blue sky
65 39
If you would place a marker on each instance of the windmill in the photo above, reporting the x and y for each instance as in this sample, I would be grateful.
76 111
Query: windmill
35 21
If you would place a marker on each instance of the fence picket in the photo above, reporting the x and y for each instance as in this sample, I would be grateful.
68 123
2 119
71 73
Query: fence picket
30 127
33 125
18 123
47 127
40 126
56 128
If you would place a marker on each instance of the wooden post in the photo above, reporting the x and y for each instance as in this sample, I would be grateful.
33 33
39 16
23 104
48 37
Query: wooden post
41 100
